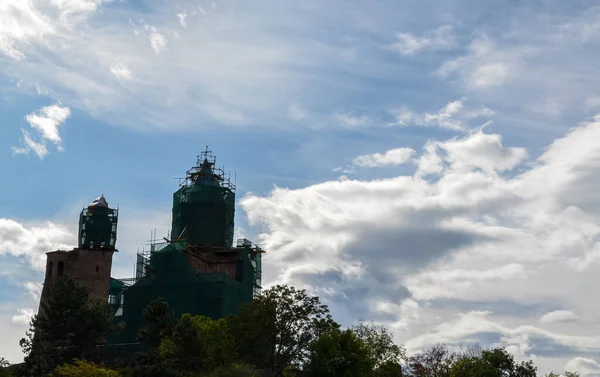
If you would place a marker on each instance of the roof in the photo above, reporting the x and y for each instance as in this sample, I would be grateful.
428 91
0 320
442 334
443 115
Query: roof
99 203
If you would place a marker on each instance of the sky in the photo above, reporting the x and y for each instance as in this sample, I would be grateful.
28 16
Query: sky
429 165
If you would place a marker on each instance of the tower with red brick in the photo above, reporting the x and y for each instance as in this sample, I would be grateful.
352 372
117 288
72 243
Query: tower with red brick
90 263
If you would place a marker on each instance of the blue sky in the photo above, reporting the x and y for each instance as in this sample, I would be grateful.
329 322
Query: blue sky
431 165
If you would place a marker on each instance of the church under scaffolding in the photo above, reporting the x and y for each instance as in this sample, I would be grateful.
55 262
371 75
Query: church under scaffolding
197 269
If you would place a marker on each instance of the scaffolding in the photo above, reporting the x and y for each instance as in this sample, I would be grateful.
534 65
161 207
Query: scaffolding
98 226
197 270
204 205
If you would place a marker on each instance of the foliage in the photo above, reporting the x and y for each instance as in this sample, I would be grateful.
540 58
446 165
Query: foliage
158 322
496 362
4 371
433 362
567 374
339 353
198 343
81 368
68 327
277 329
184 351
234 370
388 369
380 343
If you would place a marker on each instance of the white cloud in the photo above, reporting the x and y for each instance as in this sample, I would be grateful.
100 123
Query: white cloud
559 316
486 65
410 44
444 117
34 289
351 120
121 72
32 241
482 112
157 41
431 285
296 113
182 17
21 23
29 145
451 117
24 316
396 156
584 366
47 122
462 244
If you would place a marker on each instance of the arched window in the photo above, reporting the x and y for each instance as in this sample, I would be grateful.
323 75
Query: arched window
50 269
61 269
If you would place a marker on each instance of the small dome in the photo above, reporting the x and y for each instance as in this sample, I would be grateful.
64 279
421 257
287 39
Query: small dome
99 203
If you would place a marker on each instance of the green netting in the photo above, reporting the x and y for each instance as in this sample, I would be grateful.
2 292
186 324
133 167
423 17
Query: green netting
203 214
174 279
98 228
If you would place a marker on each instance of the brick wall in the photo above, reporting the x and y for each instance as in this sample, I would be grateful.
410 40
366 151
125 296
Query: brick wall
209 263
90 268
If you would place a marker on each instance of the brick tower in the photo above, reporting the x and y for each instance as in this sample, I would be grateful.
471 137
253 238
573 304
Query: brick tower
90 263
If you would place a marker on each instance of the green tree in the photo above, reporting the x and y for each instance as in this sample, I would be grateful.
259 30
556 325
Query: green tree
567 374
493 363
81 368
234 370
277 329
433 362
339 354
199 343
389 369
158 322
69 326
380 343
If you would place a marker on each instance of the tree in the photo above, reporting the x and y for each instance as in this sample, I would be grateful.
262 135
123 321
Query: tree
4 365
81 368
567 374
380 343
493 363
433 362
68 327
339 353
389 369
276 330
234 370
199 343
158 322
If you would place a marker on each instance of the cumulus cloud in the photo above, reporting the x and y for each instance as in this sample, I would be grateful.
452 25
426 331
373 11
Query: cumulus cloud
485 65
584 366
182 17
32 241
449 117
47 122
24 316
409 44
34 289
121 72
158 41
481 241
397 156
21 22
559 316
